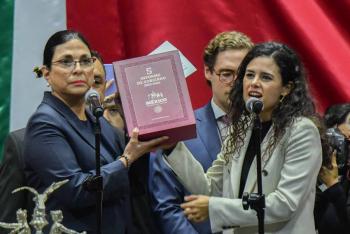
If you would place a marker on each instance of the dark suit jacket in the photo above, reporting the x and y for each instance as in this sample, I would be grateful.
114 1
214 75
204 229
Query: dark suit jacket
167 192
59 146
330 210
12 177
142 216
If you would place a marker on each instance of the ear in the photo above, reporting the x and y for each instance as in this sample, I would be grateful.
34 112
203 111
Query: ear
46 73
207 73
287 89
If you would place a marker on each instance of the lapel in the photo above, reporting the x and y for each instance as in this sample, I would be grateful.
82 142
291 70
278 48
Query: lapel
65 112
110 139
208 131
252 175
113 138
237 163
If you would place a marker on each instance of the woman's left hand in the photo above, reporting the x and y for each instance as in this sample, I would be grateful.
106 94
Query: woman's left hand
196 207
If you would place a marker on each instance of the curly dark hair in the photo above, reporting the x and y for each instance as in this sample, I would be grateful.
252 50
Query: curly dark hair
97 55
296 104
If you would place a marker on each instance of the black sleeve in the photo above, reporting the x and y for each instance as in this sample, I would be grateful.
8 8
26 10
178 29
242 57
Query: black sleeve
12 177
330 210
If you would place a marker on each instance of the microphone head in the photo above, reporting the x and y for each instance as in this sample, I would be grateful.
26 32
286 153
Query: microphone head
254 105
91 93
92 98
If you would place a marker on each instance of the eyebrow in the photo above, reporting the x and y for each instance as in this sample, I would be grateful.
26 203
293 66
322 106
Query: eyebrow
65 56
226 69
268 74
264 73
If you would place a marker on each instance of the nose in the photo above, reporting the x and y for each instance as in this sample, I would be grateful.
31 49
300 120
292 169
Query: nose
255 81
77 66
230 84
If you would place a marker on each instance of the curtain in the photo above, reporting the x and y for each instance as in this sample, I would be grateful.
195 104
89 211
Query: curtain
318 30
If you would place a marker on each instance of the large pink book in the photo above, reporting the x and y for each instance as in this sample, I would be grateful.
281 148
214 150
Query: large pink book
155 96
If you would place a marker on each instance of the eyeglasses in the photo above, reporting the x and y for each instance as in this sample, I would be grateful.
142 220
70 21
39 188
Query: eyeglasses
225 76
70 64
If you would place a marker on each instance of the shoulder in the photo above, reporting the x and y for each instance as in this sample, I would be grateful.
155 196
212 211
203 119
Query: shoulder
15 140
16 135
204 110
43 112
303 131
300 128
303 124
46 121
46 114
304 121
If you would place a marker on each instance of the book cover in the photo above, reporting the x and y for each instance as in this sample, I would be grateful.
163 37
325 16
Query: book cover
155 96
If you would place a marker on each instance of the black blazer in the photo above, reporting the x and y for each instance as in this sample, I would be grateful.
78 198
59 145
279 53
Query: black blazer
330 210
59 146
12 177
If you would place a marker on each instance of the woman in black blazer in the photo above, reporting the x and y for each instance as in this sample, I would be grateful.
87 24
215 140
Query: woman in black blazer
59 142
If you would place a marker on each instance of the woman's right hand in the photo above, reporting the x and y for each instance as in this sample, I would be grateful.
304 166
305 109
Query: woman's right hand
113 109
135 148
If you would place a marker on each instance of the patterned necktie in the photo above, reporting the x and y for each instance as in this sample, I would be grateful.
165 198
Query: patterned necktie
223 126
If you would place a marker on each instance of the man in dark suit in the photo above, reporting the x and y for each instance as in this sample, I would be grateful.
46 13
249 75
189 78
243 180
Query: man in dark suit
222 57
12 177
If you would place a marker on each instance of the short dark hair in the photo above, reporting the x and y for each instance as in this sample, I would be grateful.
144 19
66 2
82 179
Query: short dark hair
336 114
59 38
98 56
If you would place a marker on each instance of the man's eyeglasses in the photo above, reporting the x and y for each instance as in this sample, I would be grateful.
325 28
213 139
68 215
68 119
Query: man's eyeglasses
70 64
225 76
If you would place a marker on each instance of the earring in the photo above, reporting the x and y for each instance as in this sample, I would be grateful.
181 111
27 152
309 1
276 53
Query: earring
47 84
281 98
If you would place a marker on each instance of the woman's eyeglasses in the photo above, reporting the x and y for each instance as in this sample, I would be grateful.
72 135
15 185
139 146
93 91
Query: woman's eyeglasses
70 64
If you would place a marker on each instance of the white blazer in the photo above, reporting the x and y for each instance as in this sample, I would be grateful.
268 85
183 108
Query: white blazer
289 184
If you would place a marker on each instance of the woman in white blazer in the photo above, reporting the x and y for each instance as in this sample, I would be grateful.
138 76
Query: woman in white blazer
291 151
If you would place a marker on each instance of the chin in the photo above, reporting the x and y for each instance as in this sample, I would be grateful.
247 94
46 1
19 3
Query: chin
80 92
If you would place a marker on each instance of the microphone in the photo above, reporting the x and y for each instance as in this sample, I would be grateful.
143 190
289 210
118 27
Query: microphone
93 99
254 105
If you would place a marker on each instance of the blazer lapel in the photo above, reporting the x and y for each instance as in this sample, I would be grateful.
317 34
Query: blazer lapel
251 182
74 122
106 138
208 131
237 163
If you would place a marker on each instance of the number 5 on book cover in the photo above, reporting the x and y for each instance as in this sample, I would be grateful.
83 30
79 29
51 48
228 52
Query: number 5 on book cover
155 96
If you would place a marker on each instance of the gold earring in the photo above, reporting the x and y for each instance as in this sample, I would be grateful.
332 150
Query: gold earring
282 98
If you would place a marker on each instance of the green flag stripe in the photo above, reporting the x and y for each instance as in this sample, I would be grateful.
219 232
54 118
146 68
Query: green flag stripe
6 38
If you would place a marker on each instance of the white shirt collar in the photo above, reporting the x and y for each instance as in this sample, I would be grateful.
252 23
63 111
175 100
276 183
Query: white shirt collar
218 112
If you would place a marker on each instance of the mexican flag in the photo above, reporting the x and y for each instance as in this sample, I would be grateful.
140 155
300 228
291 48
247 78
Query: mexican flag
26 26
120 29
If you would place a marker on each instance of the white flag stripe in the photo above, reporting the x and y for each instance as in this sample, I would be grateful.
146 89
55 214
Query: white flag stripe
34 22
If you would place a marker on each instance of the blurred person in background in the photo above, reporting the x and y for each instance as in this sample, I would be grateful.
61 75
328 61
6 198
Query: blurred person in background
332 200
